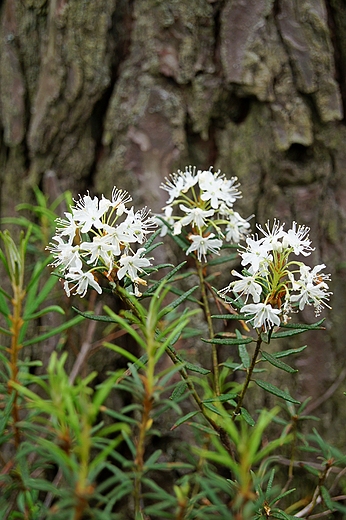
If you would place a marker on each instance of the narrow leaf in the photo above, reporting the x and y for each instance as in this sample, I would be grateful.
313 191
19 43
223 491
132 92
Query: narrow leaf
186 417
221 398
196 368
239 317
243 353
176 303
167 277
247 417
228 341
212 408
275 391
53 332
123 352
95 317
327 498
46 310
285 353
278 364
179 391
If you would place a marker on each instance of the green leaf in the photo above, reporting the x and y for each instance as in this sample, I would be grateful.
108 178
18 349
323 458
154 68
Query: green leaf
247 417
123 352
166 278
281 515
221 398
53 332
239 317
126 326
95 317
275 391
46 310
327 498
176 302
287 333
297 328
212 408
282 495
243 353
182 420
203 428
229 341
179 390
285 353
276 363
195 368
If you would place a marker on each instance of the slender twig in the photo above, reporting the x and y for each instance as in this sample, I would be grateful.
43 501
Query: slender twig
222 433
207 314
248 377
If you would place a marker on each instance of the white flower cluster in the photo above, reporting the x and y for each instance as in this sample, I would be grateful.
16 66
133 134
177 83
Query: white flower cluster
205 200
276 283
99 236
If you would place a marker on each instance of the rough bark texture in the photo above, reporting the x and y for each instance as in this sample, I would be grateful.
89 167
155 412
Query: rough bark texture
125 91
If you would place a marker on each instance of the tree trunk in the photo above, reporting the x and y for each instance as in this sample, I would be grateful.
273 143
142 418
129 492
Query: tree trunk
122 92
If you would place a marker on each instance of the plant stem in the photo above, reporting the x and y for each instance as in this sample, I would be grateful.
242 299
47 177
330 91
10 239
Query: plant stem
248 377
207 314
222 433
148 380
17 323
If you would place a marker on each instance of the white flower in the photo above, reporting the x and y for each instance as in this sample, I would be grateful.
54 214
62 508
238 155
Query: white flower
217 188
313 290
317 295
138 224
263 315
195 216
190 178
180 182
119 199
88 213
202 245
174 186
167 216
66 255
67 227
130 265
82 281
273 236
297 238
255 254
313 276
236 228
102 248
247 285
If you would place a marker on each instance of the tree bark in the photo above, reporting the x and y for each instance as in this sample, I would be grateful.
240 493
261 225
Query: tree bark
122 92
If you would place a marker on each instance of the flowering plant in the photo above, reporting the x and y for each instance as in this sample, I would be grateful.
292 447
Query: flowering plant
78 429
205 200
276 283
100 236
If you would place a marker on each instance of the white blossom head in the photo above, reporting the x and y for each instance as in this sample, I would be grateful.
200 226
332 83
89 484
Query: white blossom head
101 237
